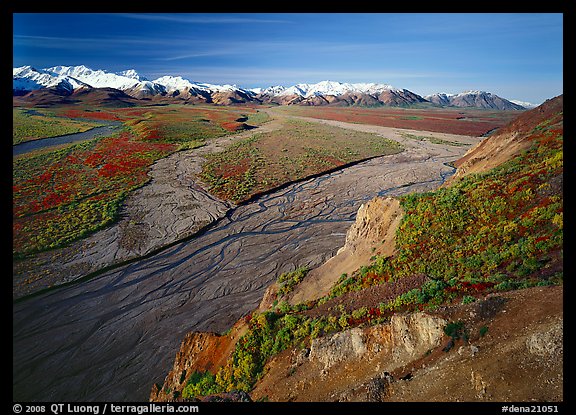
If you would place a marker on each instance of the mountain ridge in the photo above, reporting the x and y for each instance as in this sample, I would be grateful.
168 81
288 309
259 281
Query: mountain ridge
475 98
68 79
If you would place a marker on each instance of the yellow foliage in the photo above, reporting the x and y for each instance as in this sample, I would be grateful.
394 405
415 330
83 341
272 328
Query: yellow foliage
558 220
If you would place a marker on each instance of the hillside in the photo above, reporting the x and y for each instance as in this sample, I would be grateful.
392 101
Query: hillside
511 139
460 298
505 339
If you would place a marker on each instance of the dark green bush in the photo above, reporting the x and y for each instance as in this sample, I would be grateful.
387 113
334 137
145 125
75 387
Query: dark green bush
456 330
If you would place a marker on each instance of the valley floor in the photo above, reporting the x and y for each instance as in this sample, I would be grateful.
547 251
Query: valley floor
174 205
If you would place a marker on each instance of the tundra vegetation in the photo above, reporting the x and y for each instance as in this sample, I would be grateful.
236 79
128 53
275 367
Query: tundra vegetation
298 150
61 195
489 232
464 121
496 231
35 124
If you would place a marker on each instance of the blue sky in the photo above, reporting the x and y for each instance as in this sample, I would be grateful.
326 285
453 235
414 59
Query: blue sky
516 56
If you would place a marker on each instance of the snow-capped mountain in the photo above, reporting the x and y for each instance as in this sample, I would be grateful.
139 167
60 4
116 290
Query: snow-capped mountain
27 78
336 89
70 78
173 83
473 99
66 80
527 105
99 78
128 81
270 91
176 86
338 93
440 98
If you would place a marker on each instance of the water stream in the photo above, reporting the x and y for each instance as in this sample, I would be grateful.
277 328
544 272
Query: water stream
102 131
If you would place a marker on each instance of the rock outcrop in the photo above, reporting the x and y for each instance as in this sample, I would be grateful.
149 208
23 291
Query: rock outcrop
513 351
396 343
374 226
357 361
199 352
372 233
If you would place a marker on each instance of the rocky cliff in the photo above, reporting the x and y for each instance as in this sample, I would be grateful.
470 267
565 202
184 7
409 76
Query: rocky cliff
199 352
372 233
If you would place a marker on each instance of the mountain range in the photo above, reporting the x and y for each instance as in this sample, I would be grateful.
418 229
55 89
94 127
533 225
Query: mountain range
477 99
73 83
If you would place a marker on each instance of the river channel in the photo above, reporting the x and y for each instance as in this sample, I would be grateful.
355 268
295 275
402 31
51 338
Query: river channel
111 337
102 131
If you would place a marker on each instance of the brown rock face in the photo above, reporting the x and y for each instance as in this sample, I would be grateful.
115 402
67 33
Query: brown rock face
373 232
375 225
513 352
345 364
351 98
389 98
199 352
483 100
282 99
397 342
230 98
404 97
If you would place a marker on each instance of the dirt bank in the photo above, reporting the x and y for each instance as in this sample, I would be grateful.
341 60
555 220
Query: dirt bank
514 353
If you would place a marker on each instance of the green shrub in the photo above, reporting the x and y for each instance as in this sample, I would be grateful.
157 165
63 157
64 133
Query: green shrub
200 384
467 299
456 330
289 280
359 313
343 321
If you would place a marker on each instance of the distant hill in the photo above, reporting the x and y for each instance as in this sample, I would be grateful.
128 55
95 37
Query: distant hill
474 99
